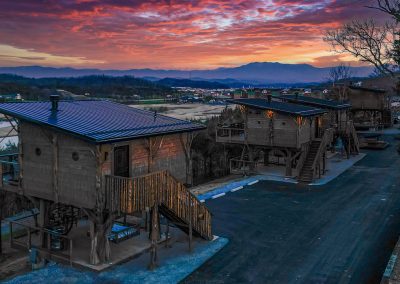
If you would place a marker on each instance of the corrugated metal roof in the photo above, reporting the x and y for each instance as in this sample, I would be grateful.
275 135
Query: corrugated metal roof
373 90
282 107
329 104
98 121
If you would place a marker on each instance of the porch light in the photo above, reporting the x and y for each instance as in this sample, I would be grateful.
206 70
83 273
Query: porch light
270 114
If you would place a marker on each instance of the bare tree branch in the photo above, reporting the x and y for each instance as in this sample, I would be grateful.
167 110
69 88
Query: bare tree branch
368 42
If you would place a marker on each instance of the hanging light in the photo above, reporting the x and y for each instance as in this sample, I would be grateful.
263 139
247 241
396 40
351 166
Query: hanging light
270 114
299 120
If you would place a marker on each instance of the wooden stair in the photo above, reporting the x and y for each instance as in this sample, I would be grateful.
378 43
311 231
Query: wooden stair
314 162
350 140
174 200
307 172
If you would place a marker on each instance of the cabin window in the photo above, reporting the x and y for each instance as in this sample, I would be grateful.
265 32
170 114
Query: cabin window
258 112
105 156
75 156
259 122
38 151
283 123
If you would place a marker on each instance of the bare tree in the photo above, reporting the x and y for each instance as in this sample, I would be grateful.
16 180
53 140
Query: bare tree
340 73
367 41
390 7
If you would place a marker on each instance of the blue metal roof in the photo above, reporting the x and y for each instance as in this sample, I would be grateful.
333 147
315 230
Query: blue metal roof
98 121
282 107
329 104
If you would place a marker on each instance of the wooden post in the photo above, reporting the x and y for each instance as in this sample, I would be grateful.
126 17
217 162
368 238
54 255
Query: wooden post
154 234
11 234
266 158
55 167
20 160
186 143
288 161
29 238
167 236
190 224
70 252
100 226
42 221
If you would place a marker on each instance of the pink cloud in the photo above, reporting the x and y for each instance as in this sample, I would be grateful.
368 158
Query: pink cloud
175 33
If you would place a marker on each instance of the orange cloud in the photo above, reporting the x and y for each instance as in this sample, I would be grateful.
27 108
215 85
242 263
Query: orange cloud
174 33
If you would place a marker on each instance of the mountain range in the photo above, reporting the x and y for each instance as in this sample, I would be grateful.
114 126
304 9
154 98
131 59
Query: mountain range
256 73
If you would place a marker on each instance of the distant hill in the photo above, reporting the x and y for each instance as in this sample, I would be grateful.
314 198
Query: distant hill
256 73
172 82
121 88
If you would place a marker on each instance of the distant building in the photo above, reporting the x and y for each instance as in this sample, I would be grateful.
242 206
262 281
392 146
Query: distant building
10 97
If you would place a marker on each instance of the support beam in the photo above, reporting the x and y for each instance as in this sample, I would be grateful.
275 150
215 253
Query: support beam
55 167
288 162
154 236
100 227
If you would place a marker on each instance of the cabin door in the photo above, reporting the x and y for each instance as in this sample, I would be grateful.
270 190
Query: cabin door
121 161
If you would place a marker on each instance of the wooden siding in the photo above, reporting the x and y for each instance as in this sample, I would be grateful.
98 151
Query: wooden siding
168 154
362 99
285 131
75 179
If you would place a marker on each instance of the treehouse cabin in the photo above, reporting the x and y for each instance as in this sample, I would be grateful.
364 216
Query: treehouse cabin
273 130
337 118
370 108
101 161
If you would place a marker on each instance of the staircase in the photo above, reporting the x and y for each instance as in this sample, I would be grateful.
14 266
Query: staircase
174 200
307 172
350 139
311 166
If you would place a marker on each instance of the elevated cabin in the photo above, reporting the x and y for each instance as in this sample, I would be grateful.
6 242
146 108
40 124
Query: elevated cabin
337 118
337 114
370 107
104 160
277 128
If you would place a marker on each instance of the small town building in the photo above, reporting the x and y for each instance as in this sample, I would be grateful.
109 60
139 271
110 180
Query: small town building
99 160
276 130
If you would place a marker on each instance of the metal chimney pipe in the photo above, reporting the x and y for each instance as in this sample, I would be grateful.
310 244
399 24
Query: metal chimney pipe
54 99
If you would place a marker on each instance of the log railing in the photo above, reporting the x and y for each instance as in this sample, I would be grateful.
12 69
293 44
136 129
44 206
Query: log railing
326 139
243 167
22 239
129 195
9 169
304 152
351 132
230 135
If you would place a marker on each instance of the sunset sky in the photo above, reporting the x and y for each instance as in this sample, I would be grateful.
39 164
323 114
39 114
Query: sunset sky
200 34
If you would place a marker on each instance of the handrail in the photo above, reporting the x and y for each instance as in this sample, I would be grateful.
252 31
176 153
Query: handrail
302 158
243 163
129 195
9 172
326 138
28 244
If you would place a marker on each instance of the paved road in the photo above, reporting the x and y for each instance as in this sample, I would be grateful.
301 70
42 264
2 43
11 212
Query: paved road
343 232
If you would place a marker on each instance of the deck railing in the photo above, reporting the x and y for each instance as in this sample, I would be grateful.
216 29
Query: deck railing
129 195
326 139
9 169
23 240
244 167
230 135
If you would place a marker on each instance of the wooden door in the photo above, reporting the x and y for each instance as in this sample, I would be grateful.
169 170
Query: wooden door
121 161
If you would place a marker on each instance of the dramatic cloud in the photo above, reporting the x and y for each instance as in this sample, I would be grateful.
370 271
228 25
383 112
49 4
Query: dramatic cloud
170 33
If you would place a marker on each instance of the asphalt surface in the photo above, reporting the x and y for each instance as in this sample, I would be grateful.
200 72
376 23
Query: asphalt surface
343 232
